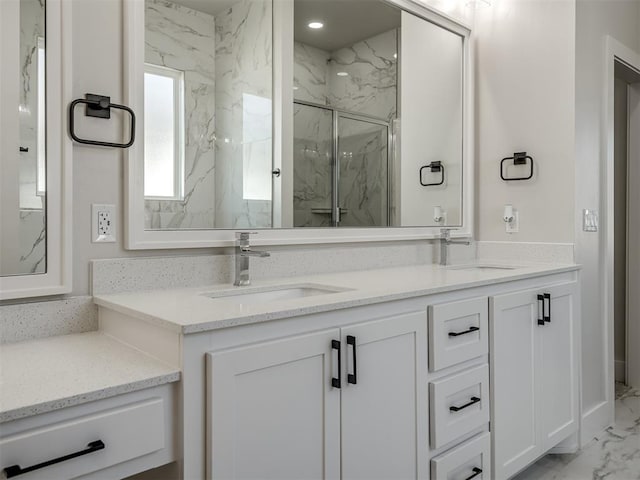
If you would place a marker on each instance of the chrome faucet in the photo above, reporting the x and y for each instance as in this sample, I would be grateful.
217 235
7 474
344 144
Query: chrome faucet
243 253
445 241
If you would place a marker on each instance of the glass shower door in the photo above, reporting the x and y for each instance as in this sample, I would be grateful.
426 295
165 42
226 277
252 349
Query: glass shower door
313 178
362 181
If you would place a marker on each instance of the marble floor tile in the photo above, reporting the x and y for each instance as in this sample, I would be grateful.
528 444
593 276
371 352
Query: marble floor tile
613 455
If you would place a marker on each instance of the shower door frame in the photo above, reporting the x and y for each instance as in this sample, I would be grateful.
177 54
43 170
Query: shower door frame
336 114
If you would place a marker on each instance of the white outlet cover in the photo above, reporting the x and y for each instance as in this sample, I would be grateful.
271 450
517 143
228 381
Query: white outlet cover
514 225
103 223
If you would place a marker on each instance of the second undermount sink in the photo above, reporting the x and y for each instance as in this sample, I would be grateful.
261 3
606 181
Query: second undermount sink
483 267
258 295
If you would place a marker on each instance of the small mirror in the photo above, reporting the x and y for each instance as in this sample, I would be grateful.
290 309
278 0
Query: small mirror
35 163
24 154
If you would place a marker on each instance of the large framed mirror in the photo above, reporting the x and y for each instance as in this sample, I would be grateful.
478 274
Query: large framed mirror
311 121
35 190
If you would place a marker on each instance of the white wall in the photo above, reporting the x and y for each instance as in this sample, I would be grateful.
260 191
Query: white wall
431 121
594 20
525 102
98 172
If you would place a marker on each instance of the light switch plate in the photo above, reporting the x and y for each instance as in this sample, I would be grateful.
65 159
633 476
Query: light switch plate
589 220
103 223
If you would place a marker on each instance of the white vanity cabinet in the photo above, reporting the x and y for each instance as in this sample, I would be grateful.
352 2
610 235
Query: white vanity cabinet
452 382
534 366
339 403
106 439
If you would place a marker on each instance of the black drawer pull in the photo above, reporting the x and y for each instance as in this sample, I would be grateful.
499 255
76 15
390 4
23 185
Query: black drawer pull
352 377
476 471
471 402
547 317
336 382
541 310
15 470
457 334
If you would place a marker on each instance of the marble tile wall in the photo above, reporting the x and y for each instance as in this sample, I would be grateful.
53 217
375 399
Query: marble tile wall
310 74
371 84
33 243
184 39
243 58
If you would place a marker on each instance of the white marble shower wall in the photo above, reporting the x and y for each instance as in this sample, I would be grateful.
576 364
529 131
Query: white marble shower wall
370 88
371 84
183 39
243 56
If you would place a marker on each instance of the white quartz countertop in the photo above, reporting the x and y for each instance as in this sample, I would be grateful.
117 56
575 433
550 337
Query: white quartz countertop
189 310
43 375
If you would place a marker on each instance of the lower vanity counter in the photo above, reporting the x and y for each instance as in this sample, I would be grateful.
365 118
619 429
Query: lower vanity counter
84 406
419 372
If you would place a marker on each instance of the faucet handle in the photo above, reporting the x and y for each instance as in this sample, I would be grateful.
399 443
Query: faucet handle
244 235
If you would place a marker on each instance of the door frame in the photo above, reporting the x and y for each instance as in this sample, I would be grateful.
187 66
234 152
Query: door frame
615 52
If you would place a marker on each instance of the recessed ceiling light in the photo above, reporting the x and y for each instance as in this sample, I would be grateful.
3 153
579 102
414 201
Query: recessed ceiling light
395 55
316 25
342 74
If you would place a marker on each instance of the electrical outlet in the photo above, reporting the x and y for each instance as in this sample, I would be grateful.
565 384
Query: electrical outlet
514 225
103 223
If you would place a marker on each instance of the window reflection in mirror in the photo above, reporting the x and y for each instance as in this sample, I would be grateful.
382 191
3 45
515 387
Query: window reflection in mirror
23 162
207 116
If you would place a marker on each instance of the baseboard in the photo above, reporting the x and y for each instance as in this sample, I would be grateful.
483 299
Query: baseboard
595 421
621 371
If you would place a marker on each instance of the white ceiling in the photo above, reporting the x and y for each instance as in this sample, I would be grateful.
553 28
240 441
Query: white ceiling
345 21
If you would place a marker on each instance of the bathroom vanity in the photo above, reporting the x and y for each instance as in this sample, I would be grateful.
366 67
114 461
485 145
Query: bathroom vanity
84 406
415 372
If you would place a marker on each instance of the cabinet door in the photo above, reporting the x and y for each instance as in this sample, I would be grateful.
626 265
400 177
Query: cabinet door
557 368
513 325
272 410
385 410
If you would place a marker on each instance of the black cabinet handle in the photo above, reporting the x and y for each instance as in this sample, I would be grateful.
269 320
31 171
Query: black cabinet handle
540 309
457 334
353 377
15 470
336 382
473 401
547 317
476 471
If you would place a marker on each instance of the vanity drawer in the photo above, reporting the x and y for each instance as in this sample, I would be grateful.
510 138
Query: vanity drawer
459 404
458 331
116 435
471 460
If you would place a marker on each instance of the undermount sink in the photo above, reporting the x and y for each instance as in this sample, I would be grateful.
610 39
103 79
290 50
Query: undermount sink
257 295
483 267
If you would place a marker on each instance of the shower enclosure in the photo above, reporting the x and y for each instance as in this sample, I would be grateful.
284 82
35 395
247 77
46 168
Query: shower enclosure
340 168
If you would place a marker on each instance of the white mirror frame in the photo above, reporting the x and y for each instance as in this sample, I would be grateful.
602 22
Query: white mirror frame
57 279
137 238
